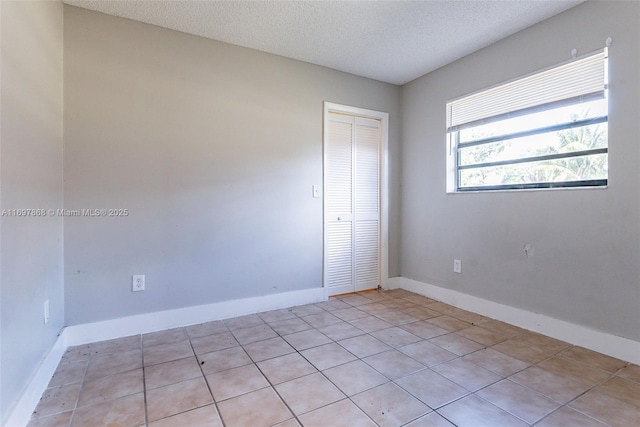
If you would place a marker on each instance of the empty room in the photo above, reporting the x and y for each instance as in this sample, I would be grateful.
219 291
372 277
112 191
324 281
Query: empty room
319 213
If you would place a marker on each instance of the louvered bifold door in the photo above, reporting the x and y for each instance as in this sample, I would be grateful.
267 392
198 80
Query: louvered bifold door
366 204
352 192
339 204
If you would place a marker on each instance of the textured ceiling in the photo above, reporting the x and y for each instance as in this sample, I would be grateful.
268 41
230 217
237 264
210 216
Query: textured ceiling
391 41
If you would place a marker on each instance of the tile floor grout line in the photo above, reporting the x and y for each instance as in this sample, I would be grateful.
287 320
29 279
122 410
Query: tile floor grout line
206 381
397 303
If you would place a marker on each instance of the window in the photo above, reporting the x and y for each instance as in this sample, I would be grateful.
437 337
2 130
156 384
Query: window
546 130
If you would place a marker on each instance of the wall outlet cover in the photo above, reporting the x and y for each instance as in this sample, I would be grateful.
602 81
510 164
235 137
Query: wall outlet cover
137 283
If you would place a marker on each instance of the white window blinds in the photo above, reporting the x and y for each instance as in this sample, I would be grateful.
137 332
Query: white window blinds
584 76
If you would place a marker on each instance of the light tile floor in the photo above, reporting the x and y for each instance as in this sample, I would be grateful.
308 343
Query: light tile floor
375 358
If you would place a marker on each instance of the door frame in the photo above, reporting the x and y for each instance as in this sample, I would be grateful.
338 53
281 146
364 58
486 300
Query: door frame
384 185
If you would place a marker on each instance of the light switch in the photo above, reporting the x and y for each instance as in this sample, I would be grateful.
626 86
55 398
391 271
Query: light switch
316 191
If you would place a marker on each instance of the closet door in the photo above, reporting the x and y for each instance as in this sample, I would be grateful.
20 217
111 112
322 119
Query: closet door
352 204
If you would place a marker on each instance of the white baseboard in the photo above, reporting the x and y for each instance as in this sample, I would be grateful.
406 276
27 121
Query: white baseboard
612 345
21 413
144 323
161 320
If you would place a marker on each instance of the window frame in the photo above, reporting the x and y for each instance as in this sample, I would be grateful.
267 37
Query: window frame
454 145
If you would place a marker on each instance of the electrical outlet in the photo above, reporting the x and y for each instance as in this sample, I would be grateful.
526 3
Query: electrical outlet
137 283
46 312
457 266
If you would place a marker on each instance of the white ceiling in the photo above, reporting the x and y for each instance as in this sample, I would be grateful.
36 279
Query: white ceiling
391 41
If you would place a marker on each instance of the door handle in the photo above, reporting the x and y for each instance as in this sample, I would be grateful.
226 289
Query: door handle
339 218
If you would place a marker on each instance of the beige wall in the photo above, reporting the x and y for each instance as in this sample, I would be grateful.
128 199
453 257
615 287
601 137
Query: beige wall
586 267
214 150
30 178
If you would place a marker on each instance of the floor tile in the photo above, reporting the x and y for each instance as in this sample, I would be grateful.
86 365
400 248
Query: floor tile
389 405
175 398
370 324
243 322
631 372
306 339
289 423
234 382
102 366
577 371
216 342
77 353
166 352
393 364
68 373
342 414
172 372
58 399
518 400
621 389
449 323
432 388
432 419
355 300
286 368
614 412
221 360
126 412
306 310
481 335
327 356
502 328
254 333
117 345
277 315
426 353
364 345
396 318
111 387
421 313
208 328
395 337
58 420
424 329
355 377
466 374
469 317
268 349
471 411
566 416
376 295
348 314
547 344
496 362
373 308
321 319
456 344
441 307
340 331
290 326
440 350
170 336
332 304
266 410
593 358
308 393
521 350
206 416
551 385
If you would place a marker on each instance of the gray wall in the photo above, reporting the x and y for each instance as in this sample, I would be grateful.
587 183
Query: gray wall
587 242
214 149
30 177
